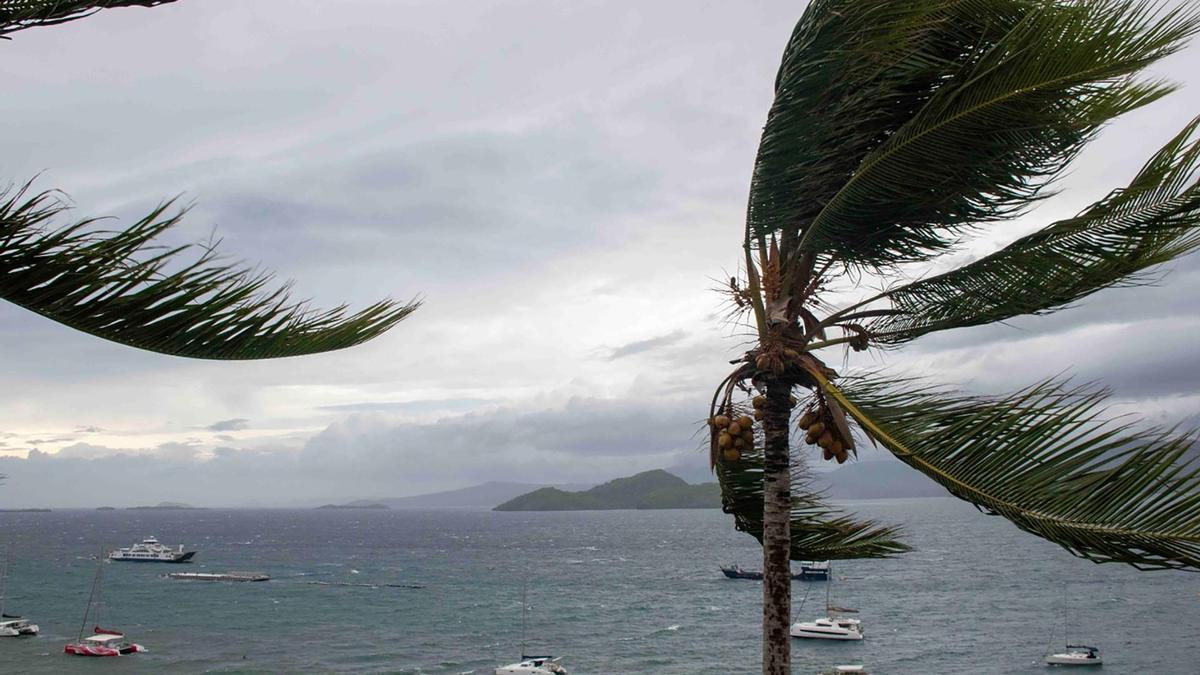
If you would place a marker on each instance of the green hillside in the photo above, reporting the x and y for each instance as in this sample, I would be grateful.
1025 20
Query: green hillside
648 490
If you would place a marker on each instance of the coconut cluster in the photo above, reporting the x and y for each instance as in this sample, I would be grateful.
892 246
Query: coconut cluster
735 435
821 430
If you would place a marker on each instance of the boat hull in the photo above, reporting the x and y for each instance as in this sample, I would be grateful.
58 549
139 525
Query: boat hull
1073 660
21 630
77 649
179 558
819 631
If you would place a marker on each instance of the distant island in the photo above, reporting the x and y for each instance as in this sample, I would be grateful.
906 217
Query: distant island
106 508
24 510
655 489
167 506
355 505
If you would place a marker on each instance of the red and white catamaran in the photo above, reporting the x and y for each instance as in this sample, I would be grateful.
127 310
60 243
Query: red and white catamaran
102 641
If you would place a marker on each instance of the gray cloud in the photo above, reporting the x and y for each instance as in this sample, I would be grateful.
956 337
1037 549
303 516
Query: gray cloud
581 440
641 346
235 424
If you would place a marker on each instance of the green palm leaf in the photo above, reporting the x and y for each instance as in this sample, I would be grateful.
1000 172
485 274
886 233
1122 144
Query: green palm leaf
17 15
120 286
972 107
1154 219
1046 459
818 532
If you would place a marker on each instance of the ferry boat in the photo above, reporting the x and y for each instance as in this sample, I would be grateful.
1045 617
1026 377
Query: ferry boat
149 550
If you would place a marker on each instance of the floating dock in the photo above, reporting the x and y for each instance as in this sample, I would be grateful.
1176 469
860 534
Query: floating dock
218 576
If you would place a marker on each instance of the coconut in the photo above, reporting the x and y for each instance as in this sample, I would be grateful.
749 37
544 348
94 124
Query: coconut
807 419
842 456
721 421
826 440
731 455
745 421
724 440
758 401
827 454
810 438
816 429
739 443
836 447
758 415
735 428
790 354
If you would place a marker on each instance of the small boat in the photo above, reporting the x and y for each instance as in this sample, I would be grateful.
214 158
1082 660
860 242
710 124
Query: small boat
531 665
839 670
11 625
102 641
813 570
222 576
149 550
1076 655
809 571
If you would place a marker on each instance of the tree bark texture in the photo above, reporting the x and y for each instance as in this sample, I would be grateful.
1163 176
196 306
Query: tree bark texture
777 500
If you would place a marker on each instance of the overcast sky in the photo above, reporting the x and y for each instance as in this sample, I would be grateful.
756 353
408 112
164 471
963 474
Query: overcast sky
561 182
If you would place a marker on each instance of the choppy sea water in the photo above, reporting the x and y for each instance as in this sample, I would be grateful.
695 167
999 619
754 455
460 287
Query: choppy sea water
615 592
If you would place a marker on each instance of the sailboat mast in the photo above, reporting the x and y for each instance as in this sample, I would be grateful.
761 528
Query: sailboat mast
4 583
524 609
92 596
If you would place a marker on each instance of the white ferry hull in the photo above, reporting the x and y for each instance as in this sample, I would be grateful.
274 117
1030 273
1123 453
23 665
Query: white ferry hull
812 632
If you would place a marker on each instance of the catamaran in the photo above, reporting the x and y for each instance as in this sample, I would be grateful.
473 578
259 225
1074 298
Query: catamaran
102 641
833 626
11 625
1076 655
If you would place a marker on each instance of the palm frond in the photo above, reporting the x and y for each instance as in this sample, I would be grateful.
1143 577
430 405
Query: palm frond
897 124
818 532
1046 459
1154 219
18 15
120 286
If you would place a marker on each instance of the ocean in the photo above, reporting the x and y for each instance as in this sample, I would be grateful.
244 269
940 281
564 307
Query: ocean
614 592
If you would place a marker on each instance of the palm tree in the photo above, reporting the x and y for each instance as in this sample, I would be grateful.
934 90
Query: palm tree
122 286
899 129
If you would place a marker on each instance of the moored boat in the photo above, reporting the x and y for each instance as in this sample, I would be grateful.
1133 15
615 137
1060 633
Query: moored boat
11 625
1076 655
829 628
809 571
533 665
102 641
150 550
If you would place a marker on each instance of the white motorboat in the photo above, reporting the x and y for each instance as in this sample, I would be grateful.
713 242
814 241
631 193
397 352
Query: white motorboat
11 625
829 628
16 627
1076 655
533 665
149 550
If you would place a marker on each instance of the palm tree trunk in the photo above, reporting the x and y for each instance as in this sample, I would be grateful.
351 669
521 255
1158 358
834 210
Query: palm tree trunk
777 578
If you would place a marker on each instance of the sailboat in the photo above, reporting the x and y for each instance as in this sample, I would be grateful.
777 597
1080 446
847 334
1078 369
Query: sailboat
833 626
1073 655
11 625
531 665
102 641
